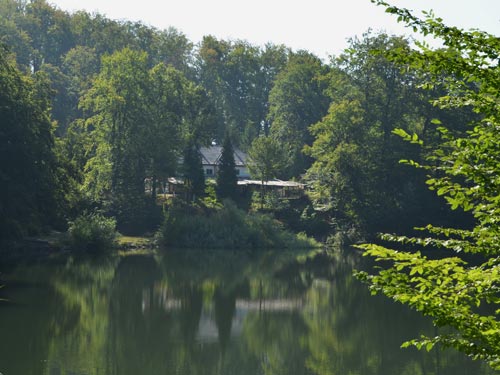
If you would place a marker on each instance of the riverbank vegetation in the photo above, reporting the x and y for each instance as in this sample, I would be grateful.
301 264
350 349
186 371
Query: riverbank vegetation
92 232
98 114
226 227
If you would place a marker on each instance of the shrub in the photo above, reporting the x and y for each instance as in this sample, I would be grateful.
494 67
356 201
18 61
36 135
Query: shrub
226 227
135 215
92 232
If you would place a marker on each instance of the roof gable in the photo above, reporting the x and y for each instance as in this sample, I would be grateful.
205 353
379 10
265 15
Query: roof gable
211 156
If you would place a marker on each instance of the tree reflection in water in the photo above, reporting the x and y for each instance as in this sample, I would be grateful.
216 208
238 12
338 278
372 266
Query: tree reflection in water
202 312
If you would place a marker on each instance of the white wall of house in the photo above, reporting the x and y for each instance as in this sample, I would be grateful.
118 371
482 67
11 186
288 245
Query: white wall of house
242 172
211 171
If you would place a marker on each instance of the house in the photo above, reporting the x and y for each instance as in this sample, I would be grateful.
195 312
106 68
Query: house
210 159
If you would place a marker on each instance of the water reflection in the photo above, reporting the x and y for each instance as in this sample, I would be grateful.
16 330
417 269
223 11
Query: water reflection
209 313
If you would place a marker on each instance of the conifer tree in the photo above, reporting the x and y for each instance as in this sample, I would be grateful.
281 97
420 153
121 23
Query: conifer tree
227 180
194 178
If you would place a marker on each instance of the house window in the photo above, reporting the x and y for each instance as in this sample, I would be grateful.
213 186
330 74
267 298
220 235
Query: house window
209 172
237 172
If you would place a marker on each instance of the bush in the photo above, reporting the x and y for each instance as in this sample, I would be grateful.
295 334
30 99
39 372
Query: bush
225 228
92 232
135 216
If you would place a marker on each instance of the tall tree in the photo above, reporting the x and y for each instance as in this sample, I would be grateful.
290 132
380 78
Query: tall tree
356 175
296 101
172 47
239 77
227 179
266 158
140 119
456 294
49 30
194 177
180 118
14 36
119 125
29 193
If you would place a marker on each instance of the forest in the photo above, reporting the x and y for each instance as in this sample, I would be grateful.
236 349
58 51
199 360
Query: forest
390 136
92 107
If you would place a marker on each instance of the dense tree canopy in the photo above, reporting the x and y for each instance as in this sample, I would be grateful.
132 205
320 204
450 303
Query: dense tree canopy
355 175
296 101
29 194
92 108
239 77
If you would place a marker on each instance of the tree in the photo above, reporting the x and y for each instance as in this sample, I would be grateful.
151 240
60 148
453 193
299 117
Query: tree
227 179
194 177
296 101
173 48
174 109
49 31
14 36
70 81
266 158
456 293
355 176
30 196
140 120
239 77
119 124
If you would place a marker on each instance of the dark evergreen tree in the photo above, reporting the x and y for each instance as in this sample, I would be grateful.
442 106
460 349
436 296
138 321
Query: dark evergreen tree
194 179
227 180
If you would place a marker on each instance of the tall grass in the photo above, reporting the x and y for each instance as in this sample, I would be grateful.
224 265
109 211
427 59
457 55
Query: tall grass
225 228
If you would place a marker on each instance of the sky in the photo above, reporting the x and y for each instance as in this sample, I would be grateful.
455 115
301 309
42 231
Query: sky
319 26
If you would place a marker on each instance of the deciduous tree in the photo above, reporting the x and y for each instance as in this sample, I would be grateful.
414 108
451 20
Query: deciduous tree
456 294
29 193
296 101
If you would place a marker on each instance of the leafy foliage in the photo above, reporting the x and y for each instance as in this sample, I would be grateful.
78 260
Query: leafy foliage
194 178
296 101
92 232
29 193
355 176
140 120
454 292
266 158
225 227
239 78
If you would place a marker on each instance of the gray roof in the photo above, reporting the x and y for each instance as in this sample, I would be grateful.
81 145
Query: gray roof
211 156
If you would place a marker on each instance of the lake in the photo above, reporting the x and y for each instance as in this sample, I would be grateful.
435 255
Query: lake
206 312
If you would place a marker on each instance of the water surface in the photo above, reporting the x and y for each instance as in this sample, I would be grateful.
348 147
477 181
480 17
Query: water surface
202 312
